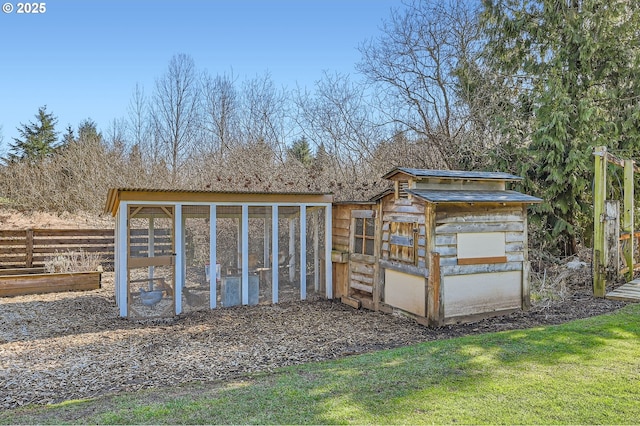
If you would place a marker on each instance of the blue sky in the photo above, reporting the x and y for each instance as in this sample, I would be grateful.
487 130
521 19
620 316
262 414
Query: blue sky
83 58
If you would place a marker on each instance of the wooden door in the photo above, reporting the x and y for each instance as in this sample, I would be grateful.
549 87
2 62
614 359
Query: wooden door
150 261
362 256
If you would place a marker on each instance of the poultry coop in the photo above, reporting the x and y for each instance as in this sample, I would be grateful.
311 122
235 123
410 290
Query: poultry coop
264 248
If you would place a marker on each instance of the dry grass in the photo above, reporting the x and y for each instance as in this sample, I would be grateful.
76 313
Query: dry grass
74 261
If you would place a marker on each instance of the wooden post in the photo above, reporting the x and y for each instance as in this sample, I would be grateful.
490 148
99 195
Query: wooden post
303 252
612 238
599 195
213 259
29 244
275 250
627 222
434 313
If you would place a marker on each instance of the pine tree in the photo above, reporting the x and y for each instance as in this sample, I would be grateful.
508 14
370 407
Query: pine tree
301 151
37 140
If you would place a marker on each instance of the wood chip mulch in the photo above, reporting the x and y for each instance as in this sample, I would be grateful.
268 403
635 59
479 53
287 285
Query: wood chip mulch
55 347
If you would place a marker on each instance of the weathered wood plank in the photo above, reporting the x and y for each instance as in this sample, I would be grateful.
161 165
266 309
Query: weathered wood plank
362 268
362 287
22 271
478 269
442 218
15 285
514 237
402 267
451 228
445 240
403 219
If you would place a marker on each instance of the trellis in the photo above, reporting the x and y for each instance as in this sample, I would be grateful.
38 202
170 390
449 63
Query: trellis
602 244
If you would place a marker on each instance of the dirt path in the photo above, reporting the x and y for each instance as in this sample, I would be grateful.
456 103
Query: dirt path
73 345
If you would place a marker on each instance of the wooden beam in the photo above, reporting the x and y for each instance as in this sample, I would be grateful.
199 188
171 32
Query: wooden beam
599 196
434 302
275 250
213 260
627 220
303 252
482 260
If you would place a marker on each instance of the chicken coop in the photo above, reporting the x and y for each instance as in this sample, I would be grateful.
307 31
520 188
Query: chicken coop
178 251
440 246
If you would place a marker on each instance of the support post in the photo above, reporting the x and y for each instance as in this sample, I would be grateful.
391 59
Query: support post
151 245
303 252
599 195
245 254
213 261
328 245
121 267
275 254
292 249
627 222
178 271
29 244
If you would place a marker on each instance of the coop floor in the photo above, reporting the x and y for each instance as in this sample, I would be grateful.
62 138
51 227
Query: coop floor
55 347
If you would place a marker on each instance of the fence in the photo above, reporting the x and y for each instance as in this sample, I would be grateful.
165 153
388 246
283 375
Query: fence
32 247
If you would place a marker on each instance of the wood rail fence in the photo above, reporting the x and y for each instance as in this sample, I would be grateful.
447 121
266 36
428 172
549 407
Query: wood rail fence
32 247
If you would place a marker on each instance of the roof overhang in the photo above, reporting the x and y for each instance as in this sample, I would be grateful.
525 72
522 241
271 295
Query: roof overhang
450 175
116 195
473 196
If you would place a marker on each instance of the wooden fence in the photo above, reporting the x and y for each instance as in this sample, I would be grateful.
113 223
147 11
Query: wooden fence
32 247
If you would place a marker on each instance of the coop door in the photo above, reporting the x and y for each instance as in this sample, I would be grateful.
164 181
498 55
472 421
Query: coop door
362 257
150 261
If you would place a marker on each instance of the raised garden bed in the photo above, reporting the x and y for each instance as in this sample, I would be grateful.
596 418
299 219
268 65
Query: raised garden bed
32 283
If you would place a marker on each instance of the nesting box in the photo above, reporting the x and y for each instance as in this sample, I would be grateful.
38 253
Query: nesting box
442 246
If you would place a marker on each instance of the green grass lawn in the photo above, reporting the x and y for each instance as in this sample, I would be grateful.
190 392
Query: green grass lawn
583 372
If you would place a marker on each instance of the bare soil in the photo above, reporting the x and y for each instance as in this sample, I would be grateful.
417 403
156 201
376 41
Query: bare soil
55 347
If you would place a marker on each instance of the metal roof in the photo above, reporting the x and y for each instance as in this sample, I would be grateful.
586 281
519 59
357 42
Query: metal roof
452 174
472 196
185 196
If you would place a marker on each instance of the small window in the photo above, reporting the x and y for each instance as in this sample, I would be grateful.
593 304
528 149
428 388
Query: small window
364 235
402 241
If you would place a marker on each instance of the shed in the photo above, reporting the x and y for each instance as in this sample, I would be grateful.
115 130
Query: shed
181 250
442 246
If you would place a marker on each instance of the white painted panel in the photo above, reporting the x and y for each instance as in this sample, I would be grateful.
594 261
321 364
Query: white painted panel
479 293
481 244
405 291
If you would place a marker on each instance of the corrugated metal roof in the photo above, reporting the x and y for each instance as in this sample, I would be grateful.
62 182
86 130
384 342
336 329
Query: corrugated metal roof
204 191
452 174
472 196
185 196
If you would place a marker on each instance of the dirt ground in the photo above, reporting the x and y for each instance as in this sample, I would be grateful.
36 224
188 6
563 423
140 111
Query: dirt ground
55 347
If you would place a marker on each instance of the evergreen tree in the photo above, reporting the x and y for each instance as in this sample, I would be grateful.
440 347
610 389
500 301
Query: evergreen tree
37 139
301 151
575 65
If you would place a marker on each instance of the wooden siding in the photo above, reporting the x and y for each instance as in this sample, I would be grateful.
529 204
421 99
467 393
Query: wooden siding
510 221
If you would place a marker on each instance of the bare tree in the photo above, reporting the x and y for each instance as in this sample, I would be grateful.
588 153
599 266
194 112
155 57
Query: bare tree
414 65
221 109
338 117
175 111
264 111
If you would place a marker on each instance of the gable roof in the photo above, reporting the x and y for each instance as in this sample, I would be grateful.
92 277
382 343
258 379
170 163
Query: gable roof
451 174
